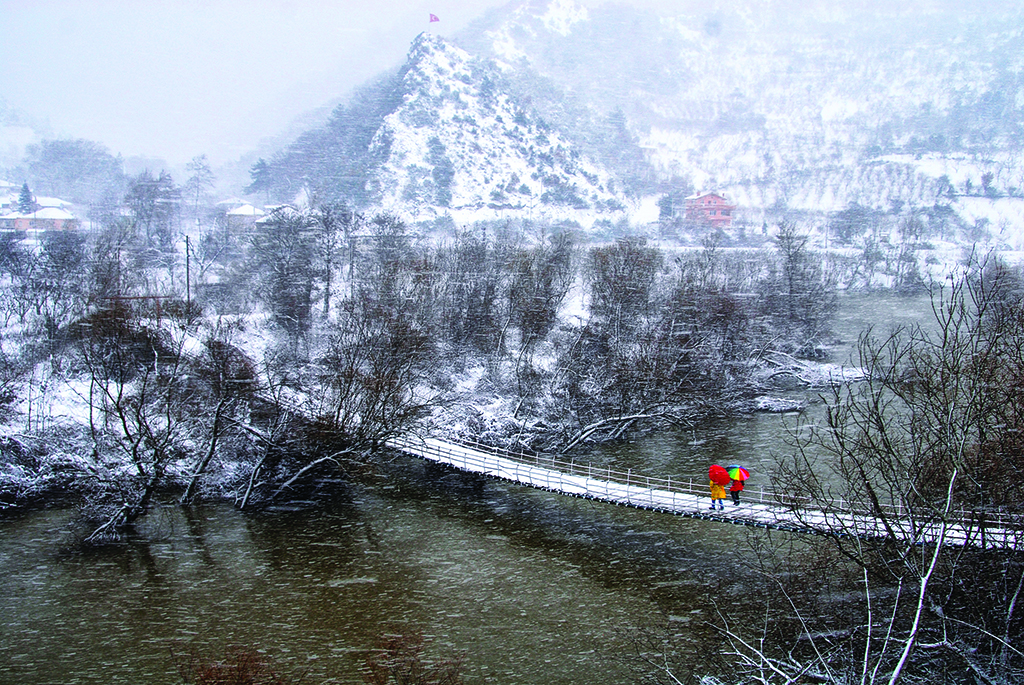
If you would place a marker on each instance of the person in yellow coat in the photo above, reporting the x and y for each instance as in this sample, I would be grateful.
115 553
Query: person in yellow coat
717 495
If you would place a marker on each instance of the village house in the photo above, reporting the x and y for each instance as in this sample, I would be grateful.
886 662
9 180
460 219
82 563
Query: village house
710 208
244 216
276 215
43 219
49 213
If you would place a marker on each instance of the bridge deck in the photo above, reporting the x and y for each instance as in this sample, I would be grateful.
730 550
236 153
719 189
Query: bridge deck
684 499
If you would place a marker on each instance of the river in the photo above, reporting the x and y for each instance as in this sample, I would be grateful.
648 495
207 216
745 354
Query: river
529 586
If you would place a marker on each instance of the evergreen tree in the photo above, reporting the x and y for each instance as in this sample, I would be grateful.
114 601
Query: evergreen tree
26 203
261 178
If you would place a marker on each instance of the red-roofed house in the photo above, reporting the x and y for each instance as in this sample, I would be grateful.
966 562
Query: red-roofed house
44 219
711 208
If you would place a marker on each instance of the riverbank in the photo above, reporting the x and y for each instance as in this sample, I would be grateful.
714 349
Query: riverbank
51 454
59 465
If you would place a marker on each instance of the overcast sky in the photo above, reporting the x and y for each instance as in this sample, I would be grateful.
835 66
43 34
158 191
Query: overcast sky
177 78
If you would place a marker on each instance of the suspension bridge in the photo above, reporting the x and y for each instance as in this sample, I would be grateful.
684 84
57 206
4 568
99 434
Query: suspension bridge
691 497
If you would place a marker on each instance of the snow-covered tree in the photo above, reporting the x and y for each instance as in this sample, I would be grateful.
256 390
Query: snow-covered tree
26 203
200 181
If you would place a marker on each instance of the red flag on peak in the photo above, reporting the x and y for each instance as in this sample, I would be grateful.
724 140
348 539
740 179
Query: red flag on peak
433 18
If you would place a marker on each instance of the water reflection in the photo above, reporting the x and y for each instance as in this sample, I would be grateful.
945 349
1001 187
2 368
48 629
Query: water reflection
533 586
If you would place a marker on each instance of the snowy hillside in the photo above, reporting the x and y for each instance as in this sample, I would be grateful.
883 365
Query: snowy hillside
458 144
549 110
17 132
808 106
444 136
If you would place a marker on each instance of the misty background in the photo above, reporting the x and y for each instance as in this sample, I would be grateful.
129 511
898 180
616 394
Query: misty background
249 252
170 80
782 105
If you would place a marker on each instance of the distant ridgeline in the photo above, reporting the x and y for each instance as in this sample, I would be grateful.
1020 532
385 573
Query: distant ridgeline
550 109
802 106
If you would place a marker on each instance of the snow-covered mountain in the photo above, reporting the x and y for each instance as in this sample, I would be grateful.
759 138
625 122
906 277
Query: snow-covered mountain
553 109
458 143
445 136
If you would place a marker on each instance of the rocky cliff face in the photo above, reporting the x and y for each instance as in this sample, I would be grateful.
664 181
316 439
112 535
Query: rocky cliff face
458 143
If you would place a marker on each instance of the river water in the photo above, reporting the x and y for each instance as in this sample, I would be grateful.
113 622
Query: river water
529 586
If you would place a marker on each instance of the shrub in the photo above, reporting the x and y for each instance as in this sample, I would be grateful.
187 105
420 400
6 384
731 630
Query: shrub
240 666
399 660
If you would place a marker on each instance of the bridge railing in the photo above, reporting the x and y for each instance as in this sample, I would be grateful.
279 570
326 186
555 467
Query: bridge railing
484 458
690 485
476 459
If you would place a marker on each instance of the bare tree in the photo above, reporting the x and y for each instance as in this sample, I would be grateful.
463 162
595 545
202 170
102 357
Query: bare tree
229 382
283 263
928 444
273 436
621 280
467 293
60 292
369 376
541 278
136 391
660 339
799 294
152 202
200 181
334 223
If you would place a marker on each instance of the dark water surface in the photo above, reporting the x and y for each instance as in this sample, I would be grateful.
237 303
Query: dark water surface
532 587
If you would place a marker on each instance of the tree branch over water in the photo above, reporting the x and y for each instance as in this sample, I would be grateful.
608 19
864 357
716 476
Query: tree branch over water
929 439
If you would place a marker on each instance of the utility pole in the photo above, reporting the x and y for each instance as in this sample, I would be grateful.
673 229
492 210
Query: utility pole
188 280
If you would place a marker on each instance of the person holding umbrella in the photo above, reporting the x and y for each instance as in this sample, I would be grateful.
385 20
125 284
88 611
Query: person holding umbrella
719 478
737 474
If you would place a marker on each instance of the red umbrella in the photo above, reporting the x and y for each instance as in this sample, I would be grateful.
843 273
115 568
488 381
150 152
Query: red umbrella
718 474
